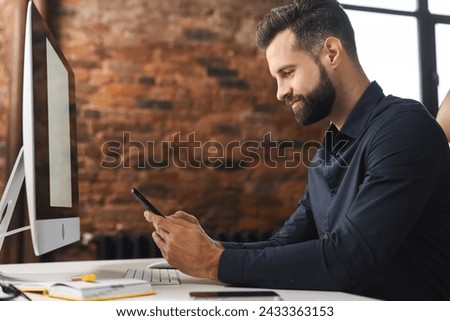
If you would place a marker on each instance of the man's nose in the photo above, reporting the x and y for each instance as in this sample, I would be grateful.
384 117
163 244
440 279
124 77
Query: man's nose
283 91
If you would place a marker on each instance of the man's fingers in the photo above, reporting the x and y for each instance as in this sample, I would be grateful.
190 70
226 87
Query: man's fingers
181 222
157 220
157 238
160 243
179 218
185 216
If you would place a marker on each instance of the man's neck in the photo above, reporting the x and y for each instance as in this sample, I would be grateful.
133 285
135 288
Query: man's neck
348 93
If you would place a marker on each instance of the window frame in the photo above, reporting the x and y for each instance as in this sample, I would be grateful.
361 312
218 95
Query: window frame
426 22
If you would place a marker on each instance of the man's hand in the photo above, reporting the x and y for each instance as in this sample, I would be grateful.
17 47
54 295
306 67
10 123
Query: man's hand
185 245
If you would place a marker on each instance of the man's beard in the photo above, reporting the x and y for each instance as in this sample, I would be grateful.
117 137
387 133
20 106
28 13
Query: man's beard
318 103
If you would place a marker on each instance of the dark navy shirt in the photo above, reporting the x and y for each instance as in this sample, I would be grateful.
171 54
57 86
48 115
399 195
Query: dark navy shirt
375 217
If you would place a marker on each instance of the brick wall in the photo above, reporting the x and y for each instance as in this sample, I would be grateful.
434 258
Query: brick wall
174 98
6 18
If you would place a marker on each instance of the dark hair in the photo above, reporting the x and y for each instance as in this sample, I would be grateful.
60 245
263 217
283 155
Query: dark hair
312 21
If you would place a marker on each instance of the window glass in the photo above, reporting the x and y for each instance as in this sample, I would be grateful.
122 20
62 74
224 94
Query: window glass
439 7
443 64
388 51
404 5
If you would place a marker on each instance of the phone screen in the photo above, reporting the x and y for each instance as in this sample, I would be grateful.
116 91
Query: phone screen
236 295
144 201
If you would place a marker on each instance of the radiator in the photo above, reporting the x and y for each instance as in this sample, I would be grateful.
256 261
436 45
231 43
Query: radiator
133 246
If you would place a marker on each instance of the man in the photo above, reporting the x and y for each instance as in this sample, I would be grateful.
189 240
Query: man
375 217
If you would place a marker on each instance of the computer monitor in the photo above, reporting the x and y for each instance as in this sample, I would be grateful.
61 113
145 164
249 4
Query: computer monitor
48 159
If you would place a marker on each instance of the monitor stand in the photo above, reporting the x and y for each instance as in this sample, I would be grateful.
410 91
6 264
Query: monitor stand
9 198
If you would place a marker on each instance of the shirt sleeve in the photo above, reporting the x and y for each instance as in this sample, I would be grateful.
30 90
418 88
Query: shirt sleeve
399 177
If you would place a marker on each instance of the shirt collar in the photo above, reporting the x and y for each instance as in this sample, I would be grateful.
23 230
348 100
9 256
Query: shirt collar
362 111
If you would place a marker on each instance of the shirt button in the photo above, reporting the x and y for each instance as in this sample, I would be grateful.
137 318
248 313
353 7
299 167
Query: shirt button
333 192
325 237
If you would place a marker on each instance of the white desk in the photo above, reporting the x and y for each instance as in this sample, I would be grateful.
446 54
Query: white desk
62 271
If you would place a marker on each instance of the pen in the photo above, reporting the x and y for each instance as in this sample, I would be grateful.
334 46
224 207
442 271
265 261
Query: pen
85 277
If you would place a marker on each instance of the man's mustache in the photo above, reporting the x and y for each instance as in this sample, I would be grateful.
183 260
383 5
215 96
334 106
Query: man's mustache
290 100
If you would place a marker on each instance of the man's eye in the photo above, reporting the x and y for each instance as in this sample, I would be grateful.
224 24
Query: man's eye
288 73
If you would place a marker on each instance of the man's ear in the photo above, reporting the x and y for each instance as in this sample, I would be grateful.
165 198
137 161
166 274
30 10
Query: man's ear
332 52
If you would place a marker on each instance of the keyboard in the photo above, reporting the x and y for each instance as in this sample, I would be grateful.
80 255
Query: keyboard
155 276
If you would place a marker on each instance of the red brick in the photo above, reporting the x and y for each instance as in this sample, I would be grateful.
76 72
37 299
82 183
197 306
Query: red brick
162 68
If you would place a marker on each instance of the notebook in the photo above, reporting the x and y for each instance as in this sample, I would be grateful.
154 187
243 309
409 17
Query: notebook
107 289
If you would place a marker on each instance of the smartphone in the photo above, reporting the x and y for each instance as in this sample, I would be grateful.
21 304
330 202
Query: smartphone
236 295
144 201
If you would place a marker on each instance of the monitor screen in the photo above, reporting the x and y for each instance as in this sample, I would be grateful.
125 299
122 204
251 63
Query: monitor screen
49 137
